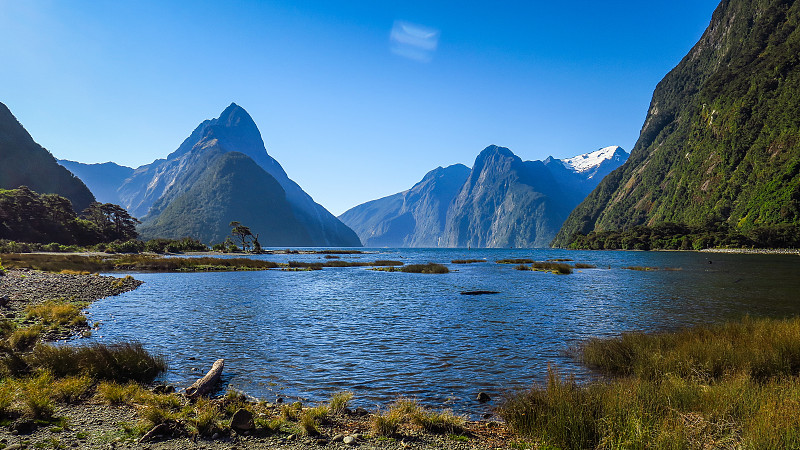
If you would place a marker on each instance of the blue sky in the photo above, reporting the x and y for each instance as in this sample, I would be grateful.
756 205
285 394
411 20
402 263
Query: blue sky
352 110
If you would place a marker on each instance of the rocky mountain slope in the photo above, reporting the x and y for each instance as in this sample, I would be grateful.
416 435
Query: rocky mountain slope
412 218
104 178
23 162
501 202
150 190
721 141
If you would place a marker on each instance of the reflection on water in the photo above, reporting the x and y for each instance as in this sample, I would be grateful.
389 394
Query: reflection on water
382 335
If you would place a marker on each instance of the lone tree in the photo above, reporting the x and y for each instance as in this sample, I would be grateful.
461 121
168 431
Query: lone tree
242 232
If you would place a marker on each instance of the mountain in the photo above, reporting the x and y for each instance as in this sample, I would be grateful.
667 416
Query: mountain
506 202
151 189
102 179
23 162
501 202
412 218
721 141
231 187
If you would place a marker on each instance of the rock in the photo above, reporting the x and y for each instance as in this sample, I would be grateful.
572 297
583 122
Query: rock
361 412
349 440
322 441
338 438
242 420
279 400
483 397
14 447
487 415
4 301
215 436
22 426
358 436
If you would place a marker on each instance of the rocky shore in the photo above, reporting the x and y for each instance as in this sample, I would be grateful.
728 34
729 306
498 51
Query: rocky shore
92 423
755 251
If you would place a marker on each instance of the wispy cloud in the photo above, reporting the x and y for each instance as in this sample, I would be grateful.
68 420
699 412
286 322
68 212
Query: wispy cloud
414 41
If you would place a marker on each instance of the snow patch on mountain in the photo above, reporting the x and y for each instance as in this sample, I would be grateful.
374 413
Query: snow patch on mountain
589 161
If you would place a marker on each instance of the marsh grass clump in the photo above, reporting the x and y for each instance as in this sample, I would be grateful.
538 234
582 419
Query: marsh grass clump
733 385
515 261
584 266
339 402
120 394
23 339
762 348
552 267
467 261
71 389
425 268
405 410
115 362
56 313
522 267
641 268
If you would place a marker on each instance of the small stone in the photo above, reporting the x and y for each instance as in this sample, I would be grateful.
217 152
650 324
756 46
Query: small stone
290 437
487 415
322 442
483 397
242 420
215 436
279 400
358 436
349 440
338 438
361 412
14 447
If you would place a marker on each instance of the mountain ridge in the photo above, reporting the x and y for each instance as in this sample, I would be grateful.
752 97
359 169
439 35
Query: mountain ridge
721 141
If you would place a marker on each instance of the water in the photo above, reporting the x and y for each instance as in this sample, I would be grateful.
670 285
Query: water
381 335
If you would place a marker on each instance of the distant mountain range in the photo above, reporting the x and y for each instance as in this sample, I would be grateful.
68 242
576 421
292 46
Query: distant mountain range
501 202
23 162
220 173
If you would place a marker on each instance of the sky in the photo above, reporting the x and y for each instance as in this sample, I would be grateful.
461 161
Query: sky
357 99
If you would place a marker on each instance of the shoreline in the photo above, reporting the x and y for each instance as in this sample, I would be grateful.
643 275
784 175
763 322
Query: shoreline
91 423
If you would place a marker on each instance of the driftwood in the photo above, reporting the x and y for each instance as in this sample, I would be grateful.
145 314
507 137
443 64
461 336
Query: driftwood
206 384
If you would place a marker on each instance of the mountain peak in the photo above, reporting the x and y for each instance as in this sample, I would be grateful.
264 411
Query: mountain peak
588 161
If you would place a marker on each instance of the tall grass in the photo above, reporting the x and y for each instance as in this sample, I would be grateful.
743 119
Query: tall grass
117 362
733 385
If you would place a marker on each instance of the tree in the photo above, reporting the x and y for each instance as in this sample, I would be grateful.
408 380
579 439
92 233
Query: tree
242 232
112 220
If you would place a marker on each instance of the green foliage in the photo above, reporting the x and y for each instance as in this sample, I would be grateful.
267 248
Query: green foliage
670 236
186 244
49 219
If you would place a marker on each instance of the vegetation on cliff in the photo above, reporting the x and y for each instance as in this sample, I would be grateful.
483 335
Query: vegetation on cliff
721 141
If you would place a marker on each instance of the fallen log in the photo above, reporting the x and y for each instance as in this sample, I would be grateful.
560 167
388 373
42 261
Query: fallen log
206 384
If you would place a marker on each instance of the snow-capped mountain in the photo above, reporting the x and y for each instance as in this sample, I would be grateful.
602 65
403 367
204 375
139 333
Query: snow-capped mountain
589 162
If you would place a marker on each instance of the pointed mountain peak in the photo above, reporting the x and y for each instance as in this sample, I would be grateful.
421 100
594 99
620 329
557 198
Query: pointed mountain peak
234 115
589 161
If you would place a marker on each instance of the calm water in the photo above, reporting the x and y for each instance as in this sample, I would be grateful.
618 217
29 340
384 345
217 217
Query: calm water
307 335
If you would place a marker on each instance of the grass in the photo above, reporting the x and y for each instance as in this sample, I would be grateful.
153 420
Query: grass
733 385
584 266
641 268
117 362
338 402
515 261
405 410
547 266
467 261
417 268
57 313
